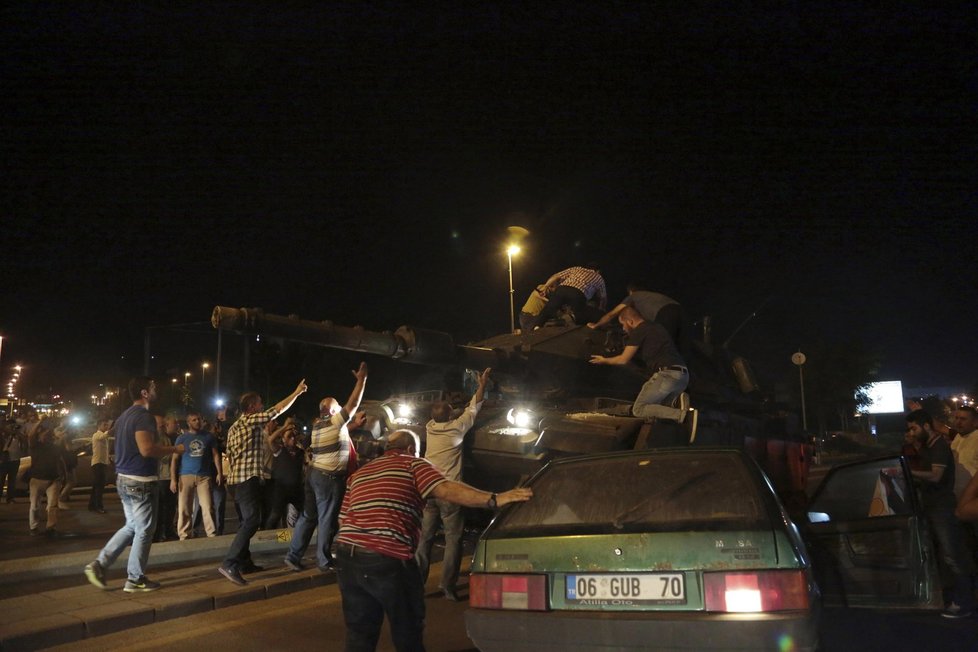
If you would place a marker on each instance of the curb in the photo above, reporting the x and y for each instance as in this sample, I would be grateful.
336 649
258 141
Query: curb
82 611
168 552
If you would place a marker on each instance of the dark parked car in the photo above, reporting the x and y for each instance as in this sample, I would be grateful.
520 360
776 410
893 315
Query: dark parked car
869 541
673 549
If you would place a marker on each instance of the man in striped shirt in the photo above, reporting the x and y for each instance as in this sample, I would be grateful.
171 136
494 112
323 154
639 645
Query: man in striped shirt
245 449
326 476
380 524
574 287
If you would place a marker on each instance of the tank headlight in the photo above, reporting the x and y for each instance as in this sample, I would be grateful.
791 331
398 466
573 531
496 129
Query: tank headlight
520 417
76 420
405 410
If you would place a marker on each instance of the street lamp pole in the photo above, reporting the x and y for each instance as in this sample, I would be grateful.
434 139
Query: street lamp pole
511 251
799 360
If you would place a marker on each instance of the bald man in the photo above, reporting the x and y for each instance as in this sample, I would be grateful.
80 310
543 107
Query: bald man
326 476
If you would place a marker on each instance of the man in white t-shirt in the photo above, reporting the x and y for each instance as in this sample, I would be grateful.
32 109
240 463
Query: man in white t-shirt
100 464
444 451
965 446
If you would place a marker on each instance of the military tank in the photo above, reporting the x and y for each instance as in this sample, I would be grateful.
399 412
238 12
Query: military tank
547 401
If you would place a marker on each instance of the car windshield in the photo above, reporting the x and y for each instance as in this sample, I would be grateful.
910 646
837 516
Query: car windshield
658 491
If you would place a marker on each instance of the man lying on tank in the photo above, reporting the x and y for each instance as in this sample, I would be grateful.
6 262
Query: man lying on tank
658 352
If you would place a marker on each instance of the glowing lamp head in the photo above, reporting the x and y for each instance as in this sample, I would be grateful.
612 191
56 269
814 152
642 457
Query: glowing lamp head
513 249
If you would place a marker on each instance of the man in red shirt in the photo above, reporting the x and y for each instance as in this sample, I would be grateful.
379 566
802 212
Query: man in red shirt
380 524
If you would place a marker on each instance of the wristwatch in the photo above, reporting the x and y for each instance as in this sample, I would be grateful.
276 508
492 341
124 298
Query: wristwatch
491 503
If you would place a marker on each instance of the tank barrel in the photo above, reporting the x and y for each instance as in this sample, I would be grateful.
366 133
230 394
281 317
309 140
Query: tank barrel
406 343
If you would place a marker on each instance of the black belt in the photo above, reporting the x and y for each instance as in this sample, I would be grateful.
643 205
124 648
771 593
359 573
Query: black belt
356 551
329 474
674 367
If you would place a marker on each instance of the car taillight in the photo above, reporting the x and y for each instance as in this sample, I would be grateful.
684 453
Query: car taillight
755 591
491 591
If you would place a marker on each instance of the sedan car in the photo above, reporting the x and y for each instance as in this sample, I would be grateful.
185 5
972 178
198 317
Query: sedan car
678 549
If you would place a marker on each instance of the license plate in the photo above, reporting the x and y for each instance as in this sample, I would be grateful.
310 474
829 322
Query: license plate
638 588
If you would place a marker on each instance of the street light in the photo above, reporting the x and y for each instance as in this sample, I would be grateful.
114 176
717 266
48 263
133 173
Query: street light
186 378
511 251
203 371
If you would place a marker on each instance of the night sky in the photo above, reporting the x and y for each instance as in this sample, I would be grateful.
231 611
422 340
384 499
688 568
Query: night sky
815 163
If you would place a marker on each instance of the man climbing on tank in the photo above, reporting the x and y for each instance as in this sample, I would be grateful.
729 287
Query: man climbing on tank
658 352
573 287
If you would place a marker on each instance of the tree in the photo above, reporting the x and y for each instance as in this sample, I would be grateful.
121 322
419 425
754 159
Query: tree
837 374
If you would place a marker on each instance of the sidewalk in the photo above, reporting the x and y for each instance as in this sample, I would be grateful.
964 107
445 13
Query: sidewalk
52 617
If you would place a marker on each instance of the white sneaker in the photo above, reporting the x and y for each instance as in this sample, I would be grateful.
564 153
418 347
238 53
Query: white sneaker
691 424
682 404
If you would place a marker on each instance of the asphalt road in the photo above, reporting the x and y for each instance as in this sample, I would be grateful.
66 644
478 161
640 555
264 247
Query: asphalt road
313 620
307 620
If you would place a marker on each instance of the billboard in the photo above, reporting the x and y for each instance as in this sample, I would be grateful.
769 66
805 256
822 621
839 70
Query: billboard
884 398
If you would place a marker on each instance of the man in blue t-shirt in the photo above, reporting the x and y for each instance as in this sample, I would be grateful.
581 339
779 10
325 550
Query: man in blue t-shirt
194 472
137 463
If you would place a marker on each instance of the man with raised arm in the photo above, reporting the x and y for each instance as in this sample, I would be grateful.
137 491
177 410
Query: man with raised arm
245 449
326 476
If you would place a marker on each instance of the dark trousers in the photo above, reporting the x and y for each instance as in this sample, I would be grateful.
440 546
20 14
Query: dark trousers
98 486
373 585
564 295
8 473
247 499
166 524
282 496
951 551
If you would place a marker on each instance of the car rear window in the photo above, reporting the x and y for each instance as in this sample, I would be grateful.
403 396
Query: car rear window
658 491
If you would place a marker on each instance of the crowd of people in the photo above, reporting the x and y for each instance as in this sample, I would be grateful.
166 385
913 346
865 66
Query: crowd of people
944 462
376 522
376 513
49 443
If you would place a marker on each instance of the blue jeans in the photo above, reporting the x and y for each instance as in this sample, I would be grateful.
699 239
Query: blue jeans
373 585
324 495
658 393
140 502
451 518
247 497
